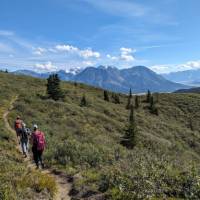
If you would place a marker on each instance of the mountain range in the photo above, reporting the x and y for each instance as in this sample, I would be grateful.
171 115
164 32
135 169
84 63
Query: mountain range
191 90
139 78
188 77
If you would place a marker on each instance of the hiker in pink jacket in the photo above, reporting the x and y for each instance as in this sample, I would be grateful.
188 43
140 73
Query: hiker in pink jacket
38 146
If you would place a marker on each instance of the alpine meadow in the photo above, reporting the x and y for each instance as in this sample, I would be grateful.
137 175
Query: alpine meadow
85 142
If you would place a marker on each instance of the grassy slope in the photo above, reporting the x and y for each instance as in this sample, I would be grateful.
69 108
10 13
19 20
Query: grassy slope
16 181
86 141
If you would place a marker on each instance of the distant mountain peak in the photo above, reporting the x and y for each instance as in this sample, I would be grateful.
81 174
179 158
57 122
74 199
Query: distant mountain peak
106 67
139 78
189 77
141 68
74 70
101 67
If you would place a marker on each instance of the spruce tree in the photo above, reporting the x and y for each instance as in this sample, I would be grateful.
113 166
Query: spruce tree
137 101
131 116
152 107
83 101
129 100
106 96
116 98
151 102
148 96
191 125
53 87
129 139
157 97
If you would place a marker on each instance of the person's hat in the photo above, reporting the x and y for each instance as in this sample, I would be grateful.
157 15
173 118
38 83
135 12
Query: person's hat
18 117
23 124
35 126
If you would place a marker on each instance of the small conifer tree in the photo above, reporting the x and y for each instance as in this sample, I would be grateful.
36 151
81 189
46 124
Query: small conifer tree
157 97
152 107
129 139
83 101
137 101
191 124
106 96
151 102
116 98
148 96
129 100
53 87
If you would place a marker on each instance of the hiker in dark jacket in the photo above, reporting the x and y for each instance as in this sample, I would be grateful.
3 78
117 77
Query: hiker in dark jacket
24 139
38 146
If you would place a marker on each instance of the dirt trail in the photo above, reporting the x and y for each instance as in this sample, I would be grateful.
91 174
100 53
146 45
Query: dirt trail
63 186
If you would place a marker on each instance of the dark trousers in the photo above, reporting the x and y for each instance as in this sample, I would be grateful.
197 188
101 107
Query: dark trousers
37 156
18 131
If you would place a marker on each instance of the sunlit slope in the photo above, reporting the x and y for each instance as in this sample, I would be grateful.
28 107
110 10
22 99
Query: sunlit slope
86 140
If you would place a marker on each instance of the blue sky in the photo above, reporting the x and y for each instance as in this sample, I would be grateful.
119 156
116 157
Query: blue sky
47 35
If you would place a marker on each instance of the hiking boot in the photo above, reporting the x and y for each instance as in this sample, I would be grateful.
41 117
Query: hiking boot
42 165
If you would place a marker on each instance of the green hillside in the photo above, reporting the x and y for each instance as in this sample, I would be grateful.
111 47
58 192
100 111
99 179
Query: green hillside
84 142
18 182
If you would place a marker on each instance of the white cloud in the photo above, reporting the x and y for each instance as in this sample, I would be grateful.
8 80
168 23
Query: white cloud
174 68
161 69
112 57
88 53
39 51
127 50
127 58
52 57
52 50
126 54
88 63
85 53
67 48
48 66
191 65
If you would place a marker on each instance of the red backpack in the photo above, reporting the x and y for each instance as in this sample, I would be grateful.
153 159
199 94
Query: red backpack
39 140
18 124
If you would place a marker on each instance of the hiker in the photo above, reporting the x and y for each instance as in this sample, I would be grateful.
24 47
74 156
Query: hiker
24 139
18 127
38 146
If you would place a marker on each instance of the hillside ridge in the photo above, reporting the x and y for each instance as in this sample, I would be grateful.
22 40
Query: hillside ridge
84 141
63 185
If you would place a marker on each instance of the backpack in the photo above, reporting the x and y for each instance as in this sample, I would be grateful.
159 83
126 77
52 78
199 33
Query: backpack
24 134
18 124
39 140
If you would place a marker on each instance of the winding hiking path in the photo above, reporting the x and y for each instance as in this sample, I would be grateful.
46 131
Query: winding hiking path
63 186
